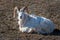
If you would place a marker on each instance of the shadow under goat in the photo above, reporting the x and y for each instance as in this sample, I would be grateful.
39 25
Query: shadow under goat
28 23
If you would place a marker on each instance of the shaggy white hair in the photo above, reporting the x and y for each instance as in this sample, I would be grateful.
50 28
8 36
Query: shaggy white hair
28 23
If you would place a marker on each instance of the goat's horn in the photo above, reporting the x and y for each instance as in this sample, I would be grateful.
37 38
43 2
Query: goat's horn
15 9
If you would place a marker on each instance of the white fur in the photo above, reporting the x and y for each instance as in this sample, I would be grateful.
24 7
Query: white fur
36 23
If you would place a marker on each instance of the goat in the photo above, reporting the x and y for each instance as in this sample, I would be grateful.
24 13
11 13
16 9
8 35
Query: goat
28 22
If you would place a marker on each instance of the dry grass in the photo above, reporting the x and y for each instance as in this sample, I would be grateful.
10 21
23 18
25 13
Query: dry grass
9 27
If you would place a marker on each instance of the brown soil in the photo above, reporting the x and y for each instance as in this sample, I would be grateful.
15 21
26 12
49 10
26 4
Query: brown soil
9 27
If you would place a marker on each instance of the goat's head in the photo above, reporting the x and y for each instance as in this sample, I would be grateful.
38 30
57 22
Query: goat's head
21 13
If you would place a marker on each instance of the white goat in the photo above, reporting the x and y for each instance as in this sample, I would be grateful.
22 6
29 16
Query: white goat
28 23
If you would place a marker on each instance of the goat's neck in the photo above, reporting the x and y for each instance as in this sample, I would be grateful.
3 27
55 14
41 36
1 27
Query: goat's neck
24 20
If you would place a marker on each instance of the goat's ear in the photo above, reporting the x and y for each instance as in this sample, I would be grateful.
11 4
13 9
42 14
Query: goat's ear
23 9
26 8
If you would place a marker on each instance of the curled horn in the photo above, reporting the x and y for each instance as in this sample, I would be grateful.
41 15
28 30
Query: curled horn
15 9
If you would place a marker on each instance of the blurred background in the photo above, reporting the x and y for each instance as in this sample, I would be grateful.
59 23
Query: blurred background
9 27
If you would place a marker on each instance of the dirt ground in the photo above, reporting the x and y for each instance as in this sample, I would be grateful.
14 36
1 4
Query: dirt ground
46 8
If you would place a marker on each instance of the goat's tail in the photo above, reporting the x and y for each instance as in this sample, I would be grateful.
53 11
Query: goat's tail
14 11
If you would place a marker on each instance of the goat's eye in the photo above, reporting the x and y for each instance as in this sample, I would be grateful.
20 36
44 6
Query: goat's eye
21 17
